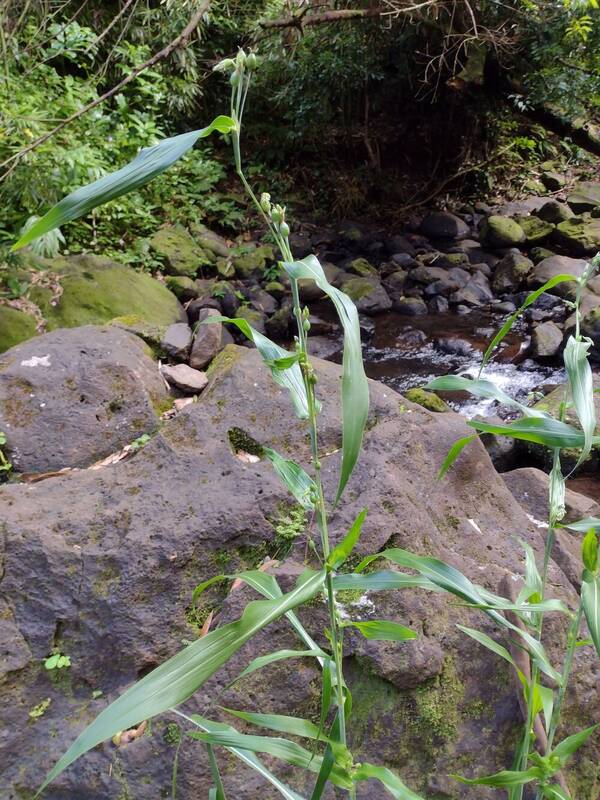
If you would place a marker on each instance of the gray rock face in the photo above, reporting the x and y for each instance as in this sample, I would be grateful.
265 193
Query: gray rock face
177 341
74 396
585 196
443 225
102 564
410 306
475 293
546 340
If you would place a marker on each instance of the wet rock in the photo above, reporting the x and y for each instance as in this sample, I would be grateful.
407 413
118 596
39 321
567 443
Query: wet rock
438 305
502 231
301 244
590 326
361 267
141 534
73 396
209 339
540 253
585 196
278 325
181 254
209 240
183 288
553 181
410 306
475 293
253 317
554 211
177 341
425 275
579 235
511 272
250 259
276 289
400 245
453 345
395 283
262 301
368 295
506 307
551 267
15 327
404 260
194 308
186 378
546 340
96 290
443 225
324 347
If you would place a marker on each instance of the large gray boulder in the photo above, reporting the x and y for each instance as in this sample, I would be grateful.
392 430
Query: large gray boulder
101 565
73 396
553 266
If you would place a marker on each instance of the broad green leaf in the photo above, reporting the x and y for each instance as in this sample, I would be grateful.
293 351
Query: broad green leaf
454 452
547 702
381 581
275 746
505 778
590 597
582 390
328 761
326 686
295 726
589 551
289 378
479 388
278 655
149 163
390 781
355 388
515 316
284 363
383 630
341 552
571 744
209 726
179 677
541 430
294 477
584 525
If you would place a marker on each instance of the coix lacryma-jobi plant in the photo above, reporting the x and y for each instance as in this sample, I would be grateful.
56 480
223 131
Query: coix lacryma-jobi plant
539 759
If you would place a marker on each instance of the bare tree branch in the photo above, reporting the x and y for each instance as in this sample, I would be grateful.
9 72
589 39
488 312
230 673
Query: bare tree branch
179 41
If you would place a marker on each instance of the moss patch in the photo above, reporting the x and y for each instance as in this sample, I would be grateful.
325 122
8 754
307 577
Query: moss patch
426 399
15 327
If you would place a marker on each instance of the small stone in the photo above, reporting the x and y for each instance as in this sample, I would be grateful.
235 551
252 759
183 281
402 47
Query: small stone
262 301
185 378
362 268
208 340
553 181
276 289
368 295
225 268
426 399
438 305
177 341
511 272
443 225
546 340
475 293
410 306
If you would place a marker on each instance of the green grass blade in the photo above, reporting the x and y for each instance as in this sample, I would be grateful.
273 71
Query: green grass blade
149 163
479 388
381 581
383 630
489 643
219 789
515 316
245 756
288 377
571 744
179 677
454 452
341 552
278 655
294 726
584 525
504 779
388 779
294 477
542 430
355 387
582 390
590 597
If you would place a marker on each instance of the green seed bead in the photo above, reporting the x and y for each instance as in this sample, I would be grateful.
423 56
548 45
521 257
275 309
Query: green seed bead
284 229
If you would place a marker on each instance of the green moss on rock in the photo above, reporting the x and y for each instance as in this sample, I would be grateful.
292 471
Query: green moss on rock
181 254
357 288
428 400
503 231
15 327
362 268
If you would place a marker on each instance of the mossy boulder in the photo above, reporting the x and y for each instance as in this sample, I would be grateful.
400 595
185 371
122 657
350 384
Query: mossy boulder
502 231
368 294
362 268
579 235
15 327
426 399
536 229
209 240
251 259
183 288
96 290
181 254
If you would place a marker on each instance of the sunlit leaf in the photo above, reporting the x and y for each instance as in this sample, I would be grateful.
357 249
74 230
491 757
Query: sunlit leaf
383 630
571 744
388 779
149 163
582 390
355 388
584 525
479 388
295 726
541 430
279 655
505 778
381 581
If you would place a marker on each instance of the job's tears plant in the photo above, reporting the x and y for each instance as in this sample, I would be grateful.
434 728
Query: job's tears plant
327 754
